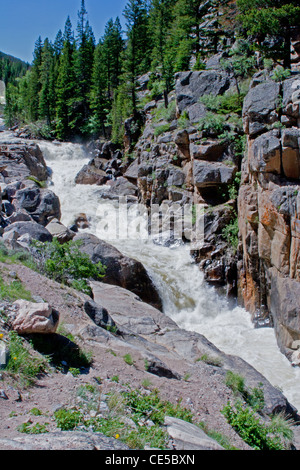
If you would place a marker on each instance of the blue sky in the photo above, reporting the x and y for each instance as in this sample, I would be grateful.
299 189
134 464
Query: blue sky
23 21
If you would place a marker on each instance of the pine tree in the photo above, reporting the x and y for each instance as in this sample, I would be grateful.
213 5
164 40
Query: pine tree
271 19
99 97
137 54
160 20
113 46
83 66
65 88
47 93
34 82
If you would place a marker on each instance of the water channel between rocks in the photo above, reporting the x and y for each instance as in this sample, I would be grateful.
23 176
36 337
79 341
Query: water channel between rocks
187 299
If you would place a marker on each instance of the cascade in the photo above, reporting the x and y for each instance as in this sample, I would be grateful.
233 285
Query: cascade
187 299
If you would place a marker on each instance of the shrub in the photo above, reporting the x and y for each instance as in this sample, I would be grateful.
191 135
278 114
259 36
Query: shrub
223 104
150 406
161 129
212 124
13 291
67 420
67 264
167 114
128 359
258 435
280 74
231 233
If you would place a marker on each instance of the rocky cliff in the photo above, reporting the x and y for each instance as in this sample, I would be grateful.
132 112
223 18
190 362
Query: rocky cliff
269 205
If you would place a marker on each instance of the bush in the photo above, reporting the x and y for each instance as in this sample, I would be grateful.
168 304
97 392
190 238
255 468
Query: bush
280 74
212 124
167 114
67 264
161 129
223 104
67 420
254 432
230 233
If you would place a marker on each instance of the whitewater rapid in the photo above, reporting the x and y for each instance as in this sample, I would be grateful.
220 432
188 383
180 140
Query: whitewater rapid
187 299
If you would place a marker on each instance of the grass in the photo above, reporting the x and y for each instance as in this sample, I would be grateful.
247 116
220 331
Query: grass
128 359
13 291
128 416
16 257
23 365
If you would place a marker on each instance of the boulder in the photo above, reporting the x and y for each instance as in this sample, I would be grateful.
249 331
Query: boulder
129 311
291 98
32 317
62 440
35 231
207 174
99 315
210 150
285 309
41 204
188 436
120 270
265 153
21 160
59 231
120 187
182 141
90 174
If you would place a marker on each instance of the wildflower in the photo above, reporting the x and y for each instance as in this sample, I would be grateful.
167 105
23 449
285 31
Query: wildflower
1 335
117 436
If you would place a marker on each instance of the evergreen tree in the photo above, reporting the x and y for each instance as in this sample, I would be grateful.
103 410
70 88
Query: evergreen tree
65 89
58 43
272 19
47 93
113 46
99 97
34 82
137 53
160 19
83 66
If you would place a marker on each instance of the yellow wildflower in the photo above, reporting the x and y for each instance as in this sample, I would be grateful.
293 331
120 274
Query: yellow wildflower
117 436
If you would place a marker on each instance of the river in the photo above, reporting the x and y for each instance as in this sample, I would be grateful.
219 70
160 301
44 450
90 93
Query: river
187 299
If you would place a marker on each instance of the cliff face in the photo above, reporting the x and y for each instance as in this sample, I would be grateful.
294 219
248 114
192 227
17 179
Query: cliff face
269 208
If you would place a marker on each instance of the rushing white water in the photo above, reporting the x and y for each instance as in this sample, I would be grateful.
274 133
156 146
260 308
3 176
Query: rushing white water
187 299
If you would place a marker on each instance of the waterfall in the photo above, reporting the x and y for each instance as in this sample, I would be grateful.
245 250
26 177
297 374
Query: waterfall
187 299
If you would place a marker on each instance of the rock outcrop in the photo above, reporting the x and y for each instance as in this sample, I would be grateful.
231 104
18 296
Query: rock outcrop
19 160
269 208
